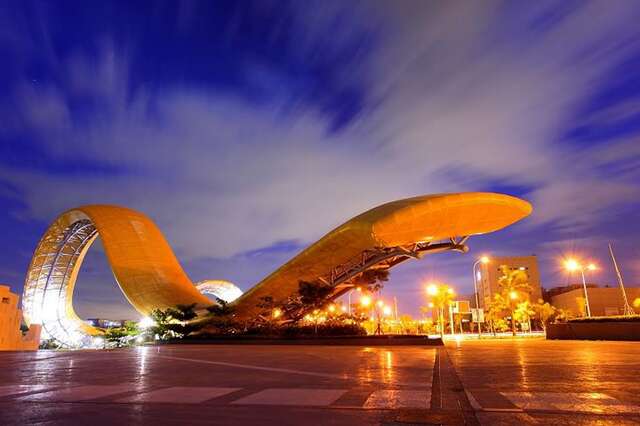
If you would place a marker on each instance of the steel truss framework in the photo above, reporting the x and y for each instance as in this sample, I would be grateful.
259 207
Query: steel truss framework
342 276
50 282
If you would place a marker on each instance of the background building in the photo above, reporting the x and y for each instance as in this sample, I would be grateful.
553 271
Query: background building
11 337
489 273
105 323
602 300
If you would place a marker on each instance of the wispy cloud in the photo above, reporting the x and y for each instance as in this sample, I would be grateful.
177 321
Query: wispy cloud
445 97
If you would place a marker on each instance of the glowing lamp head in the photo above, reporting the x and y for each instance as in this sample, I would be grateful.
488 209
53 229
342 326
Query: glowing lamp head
277 313
145 323
365 301
451 291
432 289
592 267
431 305
513 295
380 303
571 265
343 308
331 308
386 310
484 259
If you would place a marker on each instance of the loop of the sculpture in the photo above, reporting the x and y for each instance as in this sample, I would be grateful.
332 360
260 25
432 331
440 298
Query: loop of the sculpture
142 262
150 276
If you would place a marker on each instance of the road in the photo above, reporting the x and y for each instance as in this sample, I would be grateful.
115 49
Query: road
488 382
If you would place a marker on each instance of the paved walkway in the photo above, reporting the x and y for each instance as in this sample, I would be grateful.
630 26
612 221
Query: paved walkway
474 382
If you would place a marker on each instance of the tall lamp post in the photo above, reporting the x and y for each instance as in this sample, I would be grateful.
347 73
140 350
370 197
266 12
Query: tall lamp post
484 260
573 265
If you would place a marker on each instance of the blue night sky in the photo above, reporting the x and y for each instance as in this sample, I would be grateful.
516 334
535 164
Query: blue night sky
247 130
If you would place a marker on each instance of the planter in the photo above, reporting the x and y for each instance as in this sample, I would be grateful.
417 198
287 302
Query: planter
613 330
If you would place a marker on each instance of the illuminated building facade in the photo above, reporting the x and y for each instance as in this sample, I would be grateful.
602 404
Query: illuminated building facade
150 276
489 273
603 301
11 337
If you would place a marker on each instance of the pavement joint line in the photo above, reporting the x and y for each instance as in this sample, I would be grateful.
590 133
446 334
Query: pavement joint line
507 410
566 412
436 395
289 371
472 400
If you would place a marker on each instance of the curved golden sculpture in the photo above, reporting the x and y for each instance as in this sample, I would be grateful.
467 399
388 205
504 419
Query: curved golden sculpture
150 276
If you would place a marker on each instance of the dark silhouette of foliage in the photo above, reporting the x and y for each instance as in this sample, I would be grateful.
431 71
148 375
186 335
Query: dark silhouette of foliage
221 308
175 322
372 279
313 293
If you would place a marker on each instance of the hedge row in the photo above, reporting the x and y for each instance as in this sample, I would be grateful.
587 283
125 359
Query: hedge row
613 318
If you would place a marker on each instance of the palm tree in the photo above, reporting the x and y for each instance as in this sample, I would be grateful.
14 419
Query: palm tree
514 285
441 297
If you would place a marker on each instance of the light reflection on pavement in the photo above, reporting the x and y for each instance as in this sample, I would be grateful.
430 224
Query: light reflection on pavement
506 381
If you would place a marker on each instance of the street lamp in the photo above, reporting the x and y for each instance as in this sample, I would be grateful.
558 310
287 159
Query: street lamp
365 301
432 289
572 265
484 260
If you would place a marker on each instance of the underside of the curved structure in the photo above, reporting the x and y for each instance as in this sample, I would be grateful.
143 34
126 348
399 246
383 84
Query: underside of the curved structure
150 276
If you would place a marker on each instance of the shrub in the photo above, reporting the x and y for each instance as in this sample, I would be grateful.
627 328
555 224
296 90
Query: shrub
615 318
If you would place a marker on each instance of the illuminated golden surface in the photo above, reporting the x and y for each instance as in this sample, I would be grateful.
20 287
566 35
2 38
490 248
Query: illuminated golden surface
398 223
150 276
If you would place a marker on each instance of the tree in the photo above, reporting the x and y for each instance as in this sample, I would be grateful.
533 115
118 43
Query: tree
175 322
221 308
514 284
496 312
407 324
561 315
313 294
372 279
122 336
545 312
523 313
441 297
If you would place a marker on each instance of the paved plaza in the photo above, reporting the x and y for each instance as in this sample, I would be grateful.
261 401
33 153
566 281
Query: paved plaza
526 381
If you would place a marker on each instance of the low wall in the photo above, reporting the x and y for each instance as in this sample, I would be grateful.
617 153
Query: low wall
594 331
386 340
